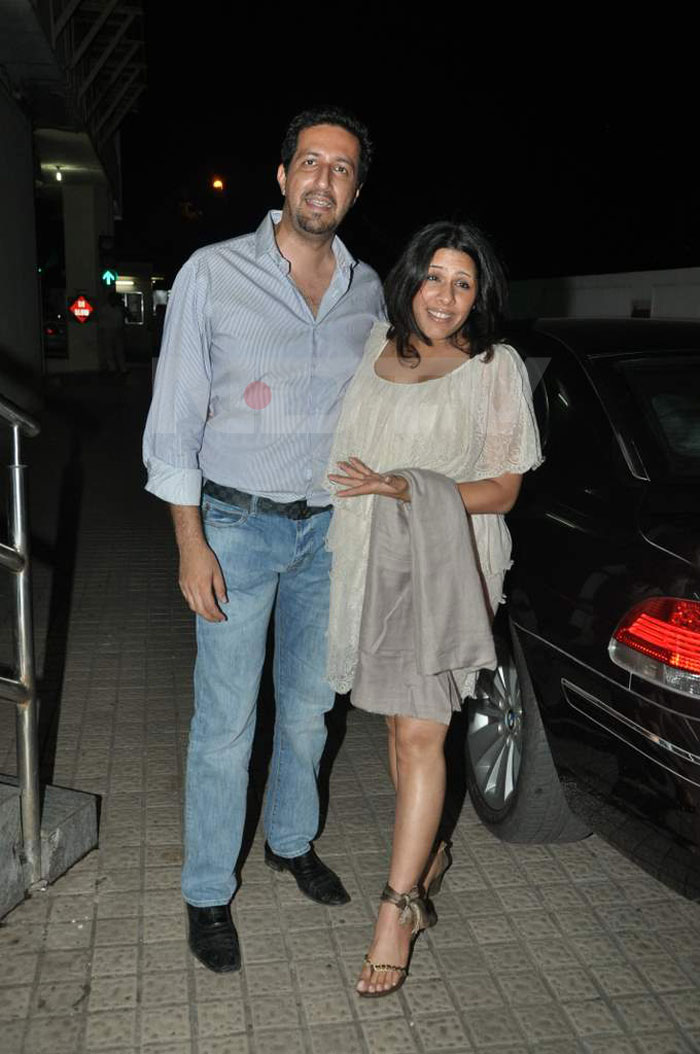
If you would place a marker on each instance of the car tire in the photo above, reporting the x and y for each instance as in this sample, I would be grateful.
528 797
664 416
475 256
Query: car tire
512 779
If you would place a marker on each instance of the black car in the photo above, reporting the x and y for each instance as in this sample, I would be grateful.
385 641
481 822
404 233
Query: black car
592 720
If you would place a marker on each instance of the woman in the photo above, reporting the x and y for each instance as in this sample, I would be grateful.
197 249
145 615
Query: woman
433 391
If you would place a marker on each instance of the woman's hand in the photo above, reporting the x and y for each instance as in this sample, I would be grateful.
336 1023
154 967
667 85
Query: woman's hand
359 479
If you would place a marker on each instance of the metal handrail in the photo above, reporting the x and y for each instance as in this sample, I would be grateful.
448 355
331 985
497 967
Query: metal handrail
12 415
21 689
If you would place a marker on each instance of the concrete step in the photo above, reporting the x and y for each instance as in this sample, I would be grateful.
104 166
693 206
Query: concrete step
68 832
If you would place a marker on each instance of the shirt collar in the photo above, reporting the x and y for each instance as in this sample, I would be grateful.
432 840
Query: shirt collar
265 243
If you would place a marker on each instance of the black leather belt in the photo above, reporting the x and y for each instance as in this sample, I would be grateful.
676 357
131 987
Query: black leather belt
293 510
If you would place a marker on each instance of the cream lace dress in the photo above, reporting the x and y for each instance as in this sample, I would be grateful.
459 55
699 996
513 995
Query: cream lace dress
474 423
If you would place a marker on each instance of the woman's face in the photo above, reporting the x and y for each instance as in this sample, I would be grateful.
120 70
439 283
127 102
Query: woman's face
445 298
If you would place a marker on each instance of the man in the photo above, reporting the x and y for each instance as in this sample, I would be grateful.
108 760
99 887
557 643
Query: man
261 337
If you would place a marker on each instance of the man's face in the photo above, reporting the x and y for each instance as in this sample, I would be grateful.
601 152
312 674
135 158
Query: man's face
320 183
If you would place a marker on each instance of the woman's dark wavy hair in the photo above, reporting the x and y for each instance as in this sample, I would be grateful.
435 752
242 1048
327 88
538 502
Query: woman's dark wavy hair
482 327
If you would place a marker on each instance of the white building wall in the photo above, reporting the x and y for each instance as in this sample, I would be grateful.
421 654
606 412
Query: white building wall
674 293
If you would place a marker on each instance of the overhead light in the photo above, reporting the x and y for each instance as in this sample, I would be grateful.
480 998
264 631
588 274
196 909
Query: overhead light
217 183
59 174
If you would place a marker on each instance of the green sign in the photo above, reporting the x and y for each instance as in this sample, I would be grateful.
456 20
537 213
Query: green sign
109 277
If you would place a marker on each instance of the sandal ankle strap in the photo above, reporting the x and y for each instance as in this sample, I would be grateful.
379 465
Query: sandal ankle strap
412 907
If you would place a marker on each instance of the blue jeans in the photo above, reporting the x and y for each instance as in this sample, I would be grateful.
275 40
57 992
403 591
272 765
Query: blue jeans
267 561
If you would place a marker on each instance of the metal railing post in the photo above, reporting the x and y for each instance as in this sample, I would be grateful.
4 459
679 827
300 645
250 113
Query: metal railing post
27 734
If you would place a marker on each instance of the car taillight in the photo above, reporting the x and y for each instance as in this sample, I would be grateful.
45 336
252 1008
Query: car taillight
659 640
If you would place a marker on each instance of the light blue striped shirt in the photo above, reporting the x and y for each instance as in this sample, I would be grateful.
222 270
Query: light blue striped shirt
249 383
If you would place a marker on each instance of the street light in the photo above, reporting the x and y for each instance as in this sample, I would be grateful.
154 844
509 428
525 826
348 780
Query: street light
217 183
59 174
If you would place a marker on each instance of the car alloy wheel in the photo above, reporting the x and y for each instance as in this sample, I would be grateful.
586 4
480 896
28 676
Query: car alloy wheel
495 732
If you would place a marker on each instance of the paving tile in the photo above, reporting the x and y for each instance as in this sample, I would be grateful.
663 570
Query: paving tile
115 961
72 909
222 1018
426 997
597 950
478 990
20 938
522 989
171 1048
165 1024
571 984
340 1039
591 1017
610 1045
391 1036
307 943
666 1043
445 1032
542 1021
280 1042
269 977
112 993
488 1029
64 935
274 1011
641 1014
12 1032
116 931
59 997
118 905
536 925
124 880
322 1007
165 955
230 1045
685 1007
663 975
164 928
552 954
159 988
54 1035
18 969
616 980
210 986
485 930
14 1001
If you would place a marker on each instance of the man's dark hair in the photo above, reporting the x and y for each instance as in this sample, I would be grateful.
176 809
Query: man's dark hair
328 115
482 327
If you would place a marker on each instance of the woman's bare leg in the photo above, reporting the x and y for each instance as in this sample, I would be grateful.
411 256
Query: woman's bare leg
391 744
420 773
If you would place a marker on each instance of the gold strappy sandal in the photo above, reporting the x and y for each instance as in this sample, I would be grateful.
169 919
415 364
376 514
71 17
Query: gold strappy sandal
443 854
444 857
413 912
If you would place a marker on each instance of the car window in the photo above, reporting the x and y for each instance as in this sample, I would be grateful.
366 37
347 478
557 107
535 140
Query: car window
664 395
580 437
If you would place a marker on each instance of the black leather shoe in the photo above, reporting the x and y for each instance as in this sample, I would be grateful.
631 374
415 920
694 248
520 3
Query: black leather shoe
314 879
213 938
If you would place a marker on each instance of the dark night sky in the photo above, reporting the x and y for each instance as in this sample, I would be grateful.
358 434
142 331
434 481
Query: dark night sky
572 175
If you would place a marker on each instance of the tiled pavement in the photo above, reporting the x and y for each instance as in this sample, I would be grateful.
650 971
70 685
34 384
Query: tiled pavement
540 949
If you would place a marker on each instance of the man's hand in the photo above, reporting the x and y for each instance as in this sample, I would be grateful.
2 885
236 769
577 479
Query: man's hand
201 581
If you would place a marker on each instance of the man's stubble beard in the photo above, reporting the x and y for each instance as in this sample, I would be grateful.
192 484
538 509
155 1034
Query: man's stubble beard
315 224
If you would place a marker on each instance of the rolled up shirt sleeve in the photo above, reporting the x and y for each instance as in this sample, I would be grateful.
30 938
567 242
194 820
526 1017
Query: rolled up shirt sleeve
181 394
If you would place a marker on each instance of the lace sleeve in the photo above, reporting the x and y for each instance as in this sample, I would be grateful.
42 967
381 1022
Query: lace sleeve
510 438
